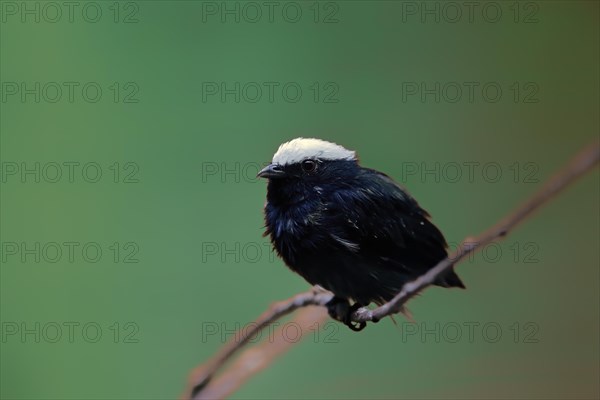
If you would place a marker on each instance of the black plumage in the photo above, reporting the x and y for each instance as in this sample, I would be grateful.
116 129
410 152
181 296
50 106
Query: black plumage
349 229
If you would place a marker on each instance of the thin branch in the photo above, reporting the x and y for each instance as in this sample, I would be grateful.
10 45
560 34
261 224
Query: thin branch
262 355
200 378
204 373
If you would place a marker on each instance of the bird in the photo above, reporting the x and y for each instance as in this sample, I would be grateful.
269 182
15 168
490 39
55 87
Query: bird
349 229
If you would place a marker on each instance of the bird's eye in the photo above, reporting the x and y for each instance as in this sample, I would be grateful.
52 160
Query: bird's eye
309 165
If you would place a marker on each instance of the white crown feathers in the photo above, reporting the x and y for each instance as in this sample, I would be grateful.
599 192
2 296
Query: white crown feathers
300 149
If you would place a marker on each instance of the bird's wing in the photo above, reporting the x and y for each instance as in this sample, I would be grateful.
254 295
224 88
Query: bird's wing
376 217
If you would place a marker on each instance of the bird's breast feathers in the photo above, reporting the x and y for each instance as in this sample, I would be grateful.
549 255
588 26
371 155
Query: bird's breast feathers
304 229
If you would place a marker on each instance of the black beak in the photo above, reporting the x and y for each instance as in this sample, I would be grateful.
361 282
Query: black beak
271 171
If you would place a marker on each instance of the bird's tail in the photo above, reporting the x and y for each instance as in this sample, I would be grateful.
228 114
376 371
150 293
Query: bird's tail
450 279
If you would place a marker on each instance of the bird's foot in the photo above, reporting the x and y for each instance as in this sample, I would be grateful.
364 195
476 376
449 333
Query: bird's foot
355 326
341 310
338 308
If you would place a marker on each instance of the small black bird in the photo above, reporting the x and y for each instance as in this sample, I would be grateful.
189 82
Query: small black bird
349 229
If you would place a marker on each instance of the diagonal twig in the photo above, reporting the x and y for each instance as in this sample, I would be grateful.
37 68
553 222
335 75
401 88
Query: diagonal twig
203 374
261 356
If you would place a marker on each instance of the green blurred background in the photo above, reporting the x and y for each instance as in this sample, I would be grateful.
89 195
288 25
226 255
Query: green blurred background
178 195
